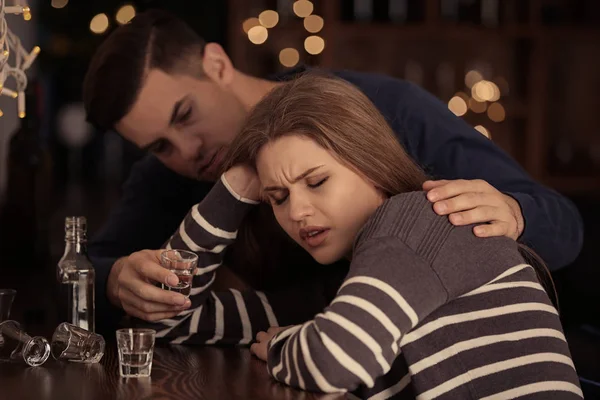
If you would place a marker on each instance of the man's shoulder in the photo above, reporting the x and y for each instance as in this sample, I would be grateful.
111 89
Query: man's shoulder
379 86
395 98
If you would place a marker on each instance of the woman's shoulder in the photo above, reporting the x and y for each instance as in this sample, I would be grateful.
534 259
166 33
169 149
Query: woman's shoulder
400 214
411 218
462 260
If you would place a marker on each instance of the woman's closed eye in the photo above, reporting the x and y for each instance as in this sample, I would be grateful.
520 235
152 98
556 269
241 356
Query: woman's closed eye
278 200
317 184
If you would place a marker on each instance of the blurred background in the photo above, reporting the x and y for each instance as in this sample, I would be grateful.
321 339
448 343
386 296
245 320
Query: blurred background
525 73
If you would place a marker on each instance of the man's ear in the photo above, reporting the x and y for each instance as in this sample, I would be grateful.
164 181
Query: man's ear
217 64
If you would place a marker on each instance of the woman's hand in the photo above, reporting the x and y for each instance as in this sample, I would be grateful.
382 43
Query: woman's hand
259 349
243 180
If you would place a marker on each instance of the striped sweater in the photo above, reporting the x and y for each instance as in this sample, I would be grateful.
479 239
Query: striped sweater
426 311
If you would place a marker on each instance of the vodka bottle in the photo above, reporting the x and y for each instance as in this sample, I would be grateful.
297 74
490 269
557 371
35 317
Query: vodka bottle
76 275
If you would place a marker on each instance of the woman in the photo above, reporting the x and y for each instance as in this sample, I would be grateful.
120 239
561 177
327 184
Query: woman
427 309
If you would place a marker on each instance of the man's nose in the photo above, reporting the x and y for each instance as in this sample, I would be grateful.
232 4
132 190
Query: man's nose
190 148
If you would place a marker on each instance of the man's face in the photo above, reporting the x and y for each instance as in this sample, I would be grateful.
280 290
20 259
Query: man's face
186 122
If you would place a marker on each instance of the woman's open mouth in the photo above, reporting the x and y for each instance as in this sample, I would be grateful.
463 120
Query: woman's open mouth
314 236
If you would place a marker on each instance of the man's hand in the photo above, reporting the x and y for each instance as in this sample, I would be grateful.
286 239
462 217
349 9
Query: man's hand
259 349
476 201
130 286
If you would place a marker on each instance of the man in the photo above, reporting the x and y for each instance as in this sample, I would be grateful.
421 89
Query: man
161 87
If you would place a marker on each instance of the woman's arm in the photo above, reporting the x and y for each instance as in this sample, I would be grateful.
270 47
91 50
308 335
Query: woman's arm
230 317
208 229
356 338
407 263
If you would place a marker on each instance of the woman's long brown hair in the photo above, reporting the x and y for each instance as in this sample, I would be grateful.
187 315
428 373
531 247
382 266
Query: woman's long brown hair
340 118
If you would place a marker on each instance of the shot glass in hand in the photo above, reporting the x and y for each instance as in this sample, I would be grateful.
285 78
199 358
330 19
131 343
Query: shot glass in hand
18 346
72 343
182 263
136 349
7 296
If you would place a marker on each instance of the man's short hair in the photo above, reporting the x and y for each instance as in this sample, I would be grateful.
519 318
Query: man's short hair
153 39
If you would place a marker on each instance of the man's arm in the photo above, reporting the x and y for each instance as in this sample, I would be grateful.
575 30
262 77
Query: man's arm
447 147
153 203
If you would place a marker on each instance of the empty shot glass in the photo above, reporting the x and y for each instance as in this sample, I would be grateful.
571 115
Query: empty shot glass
7 296
72 343
136 349
182 263
18 346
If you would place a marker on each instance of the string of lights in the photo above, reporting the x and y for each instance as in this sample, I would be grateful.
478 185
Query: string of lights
10 45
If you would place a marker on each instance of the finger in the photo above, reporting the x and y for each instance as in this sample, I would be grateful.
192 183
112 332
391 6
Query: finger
149 292
275 329
459 186
428 185
477 215
259 350
129 298
152 317
148 267
490 230
468 201
262 336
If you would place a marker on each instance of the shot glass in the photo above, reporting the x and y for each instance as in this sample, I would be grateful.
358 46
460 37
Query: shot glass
182 263
20 347
7 296
72 343
136 348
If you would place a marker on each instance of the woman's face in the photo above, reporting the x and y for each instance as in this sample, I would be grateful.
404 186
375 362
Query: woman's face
318 201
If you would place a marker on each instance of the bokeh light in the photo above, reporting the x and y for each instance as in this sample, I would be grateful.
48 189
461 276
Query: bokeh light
289 57
314 44
268 18
258 34
99 24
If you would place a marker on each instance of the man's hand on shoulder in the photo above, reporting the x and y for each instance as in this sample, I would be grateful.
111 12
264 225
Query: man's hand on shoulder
476 201
131 287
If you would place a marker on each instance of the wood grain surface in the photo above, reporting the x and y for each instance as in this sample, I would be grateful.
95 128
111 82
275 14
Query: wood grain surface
178 372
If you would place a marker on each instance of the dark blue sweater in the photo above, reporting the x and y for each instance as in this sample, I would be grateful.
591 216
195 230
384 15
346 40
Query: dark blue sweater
155 200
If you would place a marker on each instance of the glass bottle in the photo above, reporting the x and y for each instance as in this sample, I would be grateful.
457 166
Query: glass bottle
76 275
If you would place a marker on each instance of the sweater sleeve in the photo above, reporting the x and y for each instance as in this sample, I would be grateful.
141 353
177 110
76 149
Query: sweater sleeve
397 278
154 201
228 317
